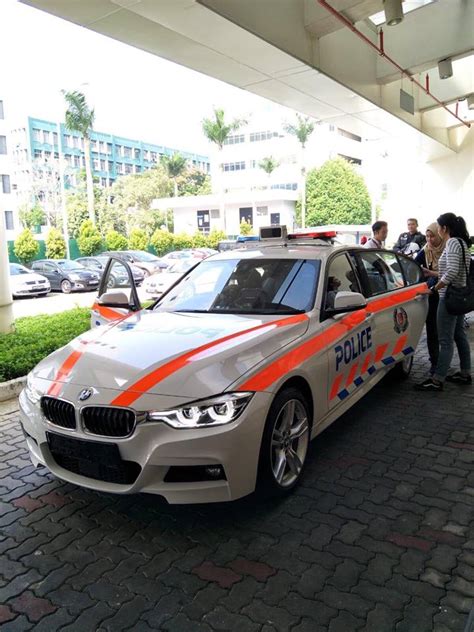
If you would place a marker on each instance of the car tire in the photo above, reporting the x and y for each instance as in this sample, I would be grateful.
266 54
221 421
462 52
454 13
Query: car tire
282 460
402 370
66 287
111 282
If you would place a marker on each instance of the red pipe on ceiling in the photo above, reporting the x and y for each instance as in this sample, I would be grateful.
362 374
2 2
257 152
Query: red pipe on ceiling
380 51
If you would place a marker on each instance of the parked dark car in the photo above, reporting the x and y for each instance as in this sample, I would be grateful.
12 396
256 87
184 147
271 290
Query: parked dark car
144 260
66 275
98 263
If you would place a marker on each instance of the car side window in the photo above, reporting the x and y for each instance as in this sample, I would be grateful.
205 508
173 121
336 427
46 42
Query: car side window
38 267
49 267
412 271
340 278
394 267
380 276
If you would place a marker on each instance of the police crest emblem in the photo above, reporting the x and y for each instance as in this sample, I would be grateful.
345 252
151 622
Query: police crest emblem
400 320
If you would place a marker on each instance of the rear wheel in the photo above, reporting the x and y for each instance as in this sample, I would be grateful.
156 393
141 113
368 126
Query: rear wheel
66 286
284 444
111 282
403 369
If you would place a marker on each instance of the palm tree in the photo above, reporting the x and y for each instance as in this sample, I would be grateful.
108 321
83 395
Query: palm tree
302 129
217 130
175 166
269 164
80 118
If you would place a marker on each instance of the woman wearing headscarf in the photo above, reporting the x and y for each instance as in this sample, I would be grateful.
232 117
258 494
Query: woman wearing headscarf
453 270
428 258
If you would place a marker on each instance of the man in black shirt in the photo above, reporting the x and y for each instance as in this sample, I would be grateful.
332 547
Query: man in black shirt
413 235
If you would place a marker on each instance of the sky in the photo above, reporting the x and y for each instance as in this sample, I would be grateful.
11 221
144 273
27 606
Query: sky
135 94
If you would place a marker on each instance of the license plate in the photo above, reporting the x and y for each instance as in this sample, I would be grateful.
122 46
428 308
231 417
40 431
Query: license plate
106 453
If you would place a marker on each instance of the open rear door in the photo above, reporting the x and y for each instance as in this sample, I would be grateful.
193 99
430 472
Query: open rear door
117 297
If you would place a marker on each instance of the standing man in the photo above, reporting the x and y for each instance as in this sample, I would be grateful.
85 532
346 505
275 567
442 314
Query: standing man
412 235
379 235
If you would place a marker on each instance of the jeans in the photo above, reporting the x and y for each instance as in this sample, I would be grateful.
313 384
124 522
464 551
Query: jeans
450 331
432 330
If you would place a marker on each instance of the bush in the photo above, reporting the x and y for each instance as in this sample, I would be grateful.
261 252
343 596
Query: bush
115 241
90 240
215 236
200 240
336 194
245 228
162 241
138 239
35 337
31 217
55 245
182 241
26 247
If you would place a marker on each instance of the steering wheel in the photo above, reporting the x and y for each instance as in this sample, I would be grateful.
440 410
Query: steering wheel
251 298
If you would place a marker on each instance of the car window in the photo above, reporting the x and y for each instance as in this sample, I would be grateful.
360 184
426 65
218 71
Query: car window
49 267
340 278
16 269
412 271
37 265
394 266
70 265
250 286
380 276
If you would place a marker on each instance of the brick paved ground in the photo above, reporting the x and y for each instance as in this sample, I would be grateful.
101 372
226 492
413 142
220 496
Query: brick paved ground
379 537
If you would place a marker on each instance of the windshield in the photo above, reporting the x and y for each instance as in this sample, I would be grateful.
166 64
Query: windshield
183 265
15 269
246 286
141 255
70 265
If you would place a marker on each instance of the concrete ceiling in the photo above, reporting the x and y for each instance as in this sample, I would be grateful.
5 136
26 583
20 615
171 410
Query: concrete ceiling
296 53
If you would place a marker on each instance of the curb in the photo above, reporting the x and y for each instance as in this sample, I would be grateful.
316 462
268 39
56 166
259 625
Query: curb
12 388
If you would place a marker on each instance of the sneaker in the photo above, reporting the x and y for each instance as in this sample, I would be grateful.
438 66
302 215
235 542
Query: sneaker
459 378
429 385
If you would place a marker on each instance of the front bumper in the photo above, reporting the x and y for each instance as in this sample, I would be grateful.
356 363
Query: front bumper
85 285
156 447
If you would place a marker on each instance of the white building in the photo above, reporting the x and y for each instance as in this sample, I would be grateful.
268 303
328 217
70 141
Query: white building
7 197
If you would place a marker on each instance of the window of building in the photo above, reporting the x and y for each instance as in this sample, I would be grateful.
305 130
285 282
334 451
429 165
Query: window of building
95 163
146 154
77 161
2 113
37 135
332 128
128 168
353 161
262 211
234 139
154 156
258 136
55 138
47 155
46 137
37 153
346 134
83 161
9 224
215 213
138 169
118 167
103 182
6 188
110 165
233 166
102 165
288 186
76 142
127 152
67 140
68 159
56 155
136 153
109 148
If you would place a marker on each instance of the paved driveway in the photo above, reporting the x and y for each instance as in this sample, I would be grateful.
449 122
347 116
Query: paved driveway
379 537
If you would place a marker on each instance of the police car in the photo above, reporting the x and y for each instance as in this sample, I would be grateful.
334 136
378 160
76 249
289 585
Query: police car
217 388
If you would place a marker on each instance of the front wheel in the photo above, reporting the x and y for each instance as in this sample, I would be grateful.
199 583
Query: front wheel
284 444
66 286
403 369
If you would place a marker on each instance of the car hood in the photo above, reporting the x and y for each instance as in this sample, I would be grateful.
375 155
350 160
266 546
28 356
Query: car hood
177 354
20 279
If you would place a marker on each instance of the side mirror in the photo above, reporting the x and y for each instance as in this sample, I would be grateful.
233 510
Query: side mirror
347 302
114 299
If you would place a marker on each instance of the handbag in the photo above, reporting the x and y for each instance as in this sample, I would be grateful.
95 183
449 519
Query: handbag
460 300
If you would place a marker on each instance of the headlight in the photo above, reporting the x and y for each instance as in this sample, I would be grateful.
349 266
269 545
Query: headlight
214 411
32 393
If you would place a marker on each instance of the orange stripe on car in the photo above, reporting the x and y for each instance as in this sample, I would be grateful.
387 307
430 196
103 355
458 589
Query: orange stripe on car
400 344
352 374
366 363
144 384
380 352
335 386
107 312
65 369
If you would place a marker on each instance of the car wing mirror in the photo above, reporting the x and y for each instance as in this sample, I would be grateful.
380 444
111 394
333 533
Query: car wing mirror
347 302
114 299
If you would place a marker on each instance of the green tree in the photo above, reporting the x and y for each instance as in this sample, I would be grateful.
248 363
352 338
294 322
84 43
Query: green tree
138 239
80 118
31 217
269 164
337 194
152 220
175 166
245 228
217 130
194 182
162 241
55 245
302 129
90 240
26 247
115 241
215 236
76 209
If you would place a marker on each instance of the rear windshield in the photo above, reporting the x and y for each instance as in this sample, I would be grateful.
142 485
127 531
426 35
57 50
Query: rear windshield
245 286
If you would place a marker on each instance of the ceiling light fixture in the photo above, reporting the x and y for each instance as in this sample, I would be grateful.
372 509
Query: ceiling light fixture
445 68
393 12
470 102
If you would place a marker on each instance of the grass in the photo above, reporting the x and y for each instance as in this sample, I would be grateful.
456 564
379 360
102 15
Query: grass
35 337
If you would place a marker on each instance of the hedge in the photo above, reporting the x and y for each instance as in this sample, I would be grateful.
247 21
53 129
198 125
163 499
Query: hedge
35 337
